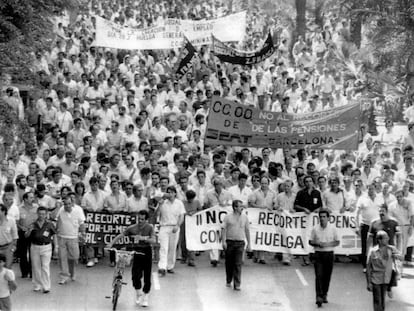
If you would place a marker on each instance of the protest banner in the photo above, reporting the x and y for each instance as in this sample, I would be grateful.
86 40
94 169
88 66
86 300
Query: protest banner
232 124
102 228
169 34
185 59
229 55
271 231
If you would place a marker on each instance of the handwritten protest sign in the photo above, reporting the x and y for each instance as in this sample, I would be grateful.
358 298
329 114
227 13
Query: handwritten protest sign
102 228
169 34
271 231
238 125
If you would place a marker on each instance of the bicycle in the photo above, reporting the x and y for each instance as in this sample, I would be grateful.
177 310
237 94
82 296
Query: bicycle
123 259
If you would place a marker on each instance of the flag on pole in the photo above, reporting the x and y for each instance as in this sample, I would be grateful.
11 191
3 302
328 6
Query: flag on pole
185 59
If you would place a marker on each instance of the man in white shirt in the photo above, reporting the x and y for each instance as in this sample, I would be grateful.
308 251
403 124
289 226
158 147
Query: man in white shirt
70 221
241 191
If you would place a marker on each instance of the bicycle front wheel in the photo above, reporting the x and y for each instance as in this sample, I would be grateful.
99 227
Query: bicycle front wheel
115 294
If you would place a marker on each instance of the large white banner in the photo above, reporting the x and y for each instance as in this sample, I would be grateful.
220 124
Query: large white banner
169 35
271 231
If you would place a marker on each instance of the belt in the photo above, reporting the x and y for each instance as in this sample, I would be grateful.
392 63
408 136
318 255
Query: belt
40 243
4 245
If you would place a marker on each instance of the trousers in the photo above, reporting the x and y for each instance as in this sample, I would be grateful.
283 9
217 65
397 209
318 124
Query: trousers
234 261
364 236
41 256
378 294
323 271
168 247
142 265
23 253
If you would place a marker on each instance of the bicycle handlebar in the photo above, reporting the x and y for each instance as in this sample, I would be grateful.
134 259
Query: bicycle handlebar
122 251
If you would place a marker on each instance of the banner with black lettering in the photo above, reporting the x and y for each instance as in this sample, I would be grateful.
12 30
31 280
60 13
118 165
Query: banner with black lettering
271 231
185 59
230 55
233 124
102 228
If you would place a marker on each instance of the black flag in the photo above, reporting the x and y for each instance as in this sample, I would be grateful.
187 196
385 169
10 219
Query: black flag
185 59
230 55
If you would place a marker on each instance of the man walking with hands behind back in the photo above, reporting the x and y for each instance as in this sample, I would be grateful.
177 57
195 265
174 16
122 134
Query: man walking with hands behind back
235 233
324 238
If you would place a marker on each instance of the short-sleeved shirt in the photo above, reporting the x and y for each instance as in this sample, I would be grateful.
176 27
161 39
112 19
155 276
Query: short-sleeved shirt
260 198
143 230
170 212
68 223
5 276
42 235
311 201
27 216
324 235
390 226
8 231
369 208
235 226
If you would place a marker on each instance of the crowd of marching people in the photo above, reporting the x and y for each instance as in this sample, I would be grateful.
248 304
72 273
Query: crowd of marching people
114 131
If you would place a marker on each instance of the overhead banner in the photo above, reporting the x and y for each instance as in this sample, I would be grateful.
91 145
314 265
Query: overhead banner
102 228
170 34
233 124
185 59
271 231
229 55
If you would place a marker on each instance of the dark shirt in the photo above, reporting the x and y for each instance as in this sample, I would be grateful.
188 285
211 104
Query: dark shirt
44 234
144 230
390 226
310 201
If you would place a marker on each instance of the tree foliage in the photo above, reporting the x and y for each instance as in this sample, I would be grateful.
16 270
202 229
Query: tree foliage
26 26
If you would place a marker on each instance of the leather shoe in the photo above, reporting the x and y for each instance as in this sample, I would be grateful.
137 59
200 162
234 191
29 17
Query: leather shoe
171 271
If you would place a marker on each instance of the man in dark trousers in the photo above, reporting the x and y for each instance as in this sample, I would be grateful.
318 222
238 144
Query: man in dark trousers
143 234
324 238
235 233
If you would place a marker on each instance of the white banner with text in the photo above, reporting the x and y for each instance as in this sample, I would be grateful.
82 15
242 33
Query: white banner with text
271 231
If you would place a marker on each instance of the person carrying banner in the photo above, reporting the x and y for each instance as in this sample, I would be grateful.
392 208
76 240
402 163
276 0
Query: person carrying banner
324 238
235 234
144 236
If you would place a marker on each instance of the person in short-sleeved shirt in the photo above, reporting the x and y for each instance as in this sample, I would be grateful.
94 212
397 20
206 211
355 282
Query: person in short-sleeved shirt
308 199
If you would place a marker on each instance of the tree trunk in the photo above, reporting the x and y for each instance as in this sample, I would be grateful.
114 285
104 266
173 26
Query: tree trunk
318 13
300 18
356 24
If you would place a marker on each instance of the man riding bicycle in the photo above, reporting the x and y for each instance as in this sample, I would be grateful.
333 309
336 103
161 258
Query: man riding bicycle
143 234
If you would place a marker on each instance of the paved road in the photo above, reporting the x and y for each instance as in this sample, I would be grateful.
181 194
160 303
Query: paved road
270 287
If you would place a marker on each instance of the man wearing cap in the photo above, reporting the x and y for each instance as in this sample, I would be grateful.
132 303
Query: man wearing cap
171 214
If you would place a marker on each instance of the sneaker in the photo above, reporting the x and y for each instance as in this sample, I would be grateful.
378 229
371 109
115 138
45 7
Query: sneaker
139 294
144 301
90 263
37 289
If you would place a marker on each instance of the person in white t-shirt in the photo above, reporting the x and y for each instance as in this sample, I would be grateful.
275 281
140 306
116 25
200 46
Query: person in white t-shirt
7 284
